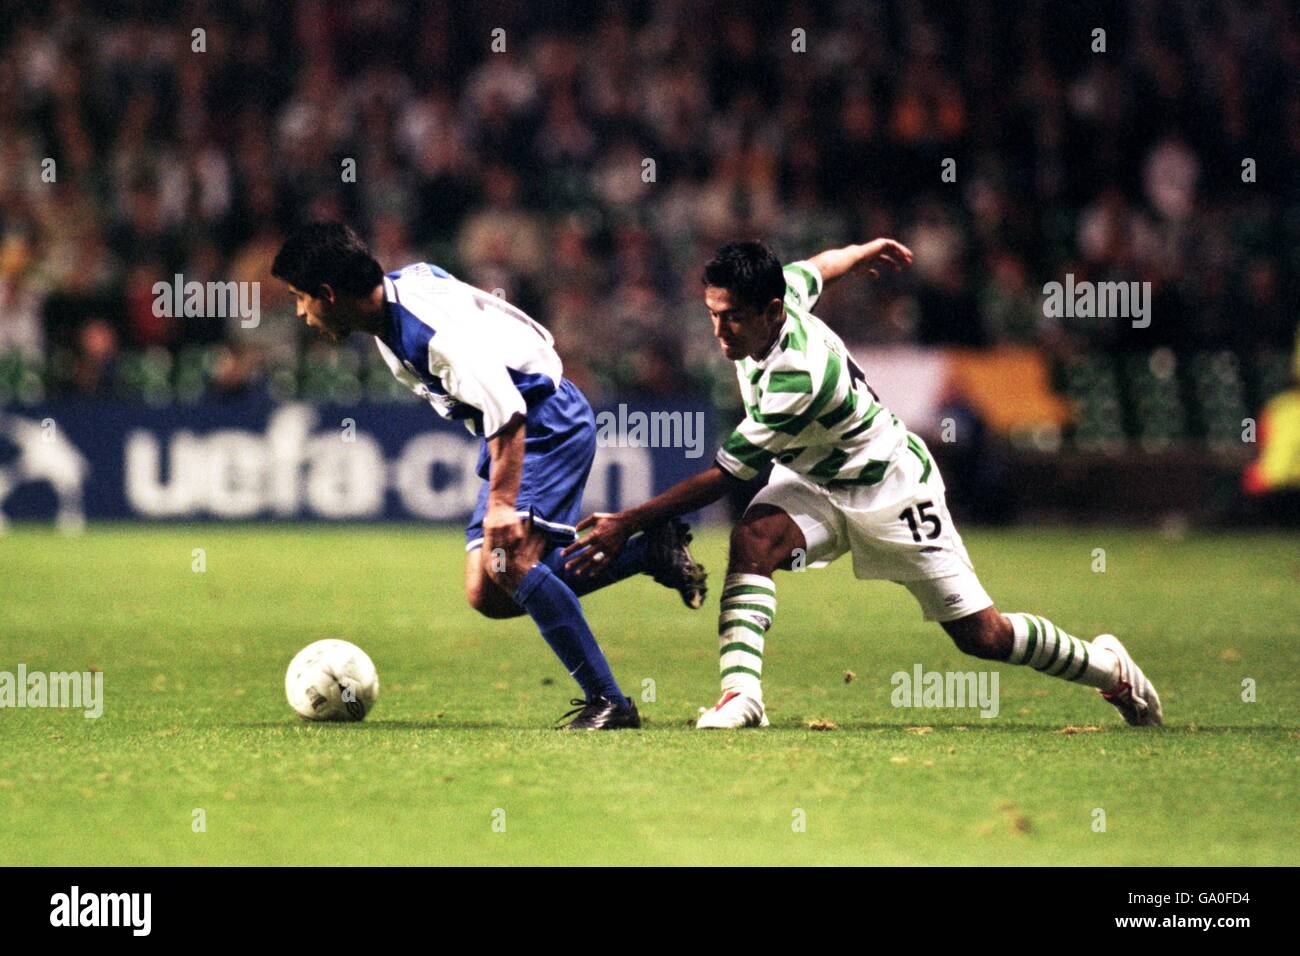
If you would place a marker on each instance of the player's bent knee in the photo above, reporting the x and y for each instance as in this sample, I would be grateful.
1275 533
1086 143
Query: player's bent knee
491 603
476 597
496 612
765 540
751 553
486 596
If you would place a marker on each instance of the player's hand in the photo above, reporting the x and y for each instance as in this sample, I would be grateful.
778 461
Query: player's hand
879 254
608 535
503 529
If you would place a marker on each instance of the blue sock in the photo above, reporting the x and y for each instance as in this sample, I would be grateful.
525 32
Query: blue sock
631 560
558 615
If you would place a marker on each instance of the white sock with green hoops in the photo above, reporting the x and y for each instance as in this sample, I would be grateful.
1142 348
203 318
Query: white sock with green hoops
748 608
1046 648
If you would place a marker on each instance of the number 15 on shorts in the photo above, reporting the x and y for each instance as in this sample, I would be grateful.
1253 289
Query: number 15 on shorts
921 515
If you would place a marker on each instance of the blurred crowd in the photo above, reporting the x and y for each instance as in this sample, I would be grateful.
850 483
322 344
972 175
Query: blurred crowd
586 158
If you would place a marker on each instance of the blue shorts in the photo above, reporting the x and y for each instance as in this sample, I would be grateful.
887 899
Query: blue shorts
559 445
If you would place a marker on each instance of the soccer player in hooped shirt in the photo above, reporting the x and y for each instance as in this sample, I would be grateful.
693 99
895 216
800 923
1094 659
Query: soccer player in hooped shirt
479 360
847 477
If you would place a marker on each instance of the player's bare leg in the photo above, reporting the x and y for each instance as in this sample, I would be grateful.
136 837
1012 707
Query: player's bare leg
985 634
766 539
492 576
483 593
1103 663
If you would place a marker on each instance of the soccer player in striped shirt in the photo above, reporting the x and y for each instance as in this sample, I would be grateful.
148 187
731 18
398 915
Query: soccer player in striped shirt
847 477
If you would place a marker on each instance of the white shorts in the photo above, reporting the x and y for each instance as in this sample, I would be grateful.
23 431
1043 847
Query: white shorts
898 529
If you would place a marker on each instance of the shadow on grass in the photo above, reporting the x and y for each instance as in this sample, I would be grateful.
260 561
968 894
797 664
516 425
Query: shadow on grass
1057 729
982 727
345 726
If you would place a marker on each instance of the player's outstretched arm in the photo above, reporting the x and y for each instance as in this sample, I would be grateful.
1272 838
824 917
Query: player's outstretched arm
869 257
607 533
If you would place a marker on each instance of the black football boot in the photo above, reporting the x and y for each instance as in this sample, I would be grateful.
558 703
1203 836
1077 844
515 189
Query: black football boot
670 563
601 713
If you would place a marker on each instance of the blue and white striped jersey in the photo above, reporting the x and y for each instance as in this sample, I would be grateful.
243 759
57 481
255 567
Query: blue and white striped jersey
472 355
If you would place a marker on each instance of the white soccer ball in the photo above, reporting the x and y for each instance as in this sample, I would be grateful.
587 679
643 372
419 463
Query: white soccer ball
332 680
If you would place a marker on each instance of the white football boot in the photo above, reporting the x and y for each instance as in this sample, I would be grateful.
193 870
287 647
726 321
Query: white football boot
1134 696
733 711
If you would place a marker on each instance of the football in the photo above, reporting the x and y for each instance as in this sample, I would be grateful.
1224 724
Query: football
332 680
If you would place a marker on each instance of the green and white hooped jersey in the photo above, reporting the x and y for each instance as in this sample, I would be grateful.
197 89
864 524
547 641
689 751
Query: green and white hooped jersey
808 405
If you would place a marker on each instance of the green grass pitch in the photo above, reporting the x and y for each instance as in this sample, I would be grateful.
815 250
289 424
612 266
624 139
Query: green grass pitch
459 743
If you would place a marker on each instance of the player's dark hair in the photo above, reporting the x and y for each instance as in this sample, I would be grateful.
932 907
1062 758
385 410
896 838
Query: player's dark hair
749 270
330 253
